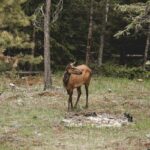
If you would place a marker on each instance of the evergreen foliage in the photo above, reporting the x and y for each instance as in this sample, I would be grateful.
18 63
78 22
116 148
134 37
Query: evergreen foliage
13 26
127 21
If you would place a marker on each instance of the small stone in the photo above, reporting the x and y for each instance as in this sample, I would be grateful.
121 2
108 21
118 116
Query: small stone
20 102
12 86
140 80
148 135
109 90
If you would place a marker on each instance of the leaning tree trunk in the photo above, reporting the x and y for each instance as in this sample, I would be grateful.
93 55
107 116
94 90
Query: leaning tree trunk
47 61
89 39
102 37
146 47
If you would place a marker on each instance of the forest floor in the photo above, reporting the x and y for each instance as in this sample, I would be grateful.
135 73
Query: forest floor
31 119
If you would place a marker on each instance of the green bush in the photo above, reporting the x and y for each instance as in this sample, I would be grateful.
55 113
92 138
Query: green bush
121 71
4 66
28 61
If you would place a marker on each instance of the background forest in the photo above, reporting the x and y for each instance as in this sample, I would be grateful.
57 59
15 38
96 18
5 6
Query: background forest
120 33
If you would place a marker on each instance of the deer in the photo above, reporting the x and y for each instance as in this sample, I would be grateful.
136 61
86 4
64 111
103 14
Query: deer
74 77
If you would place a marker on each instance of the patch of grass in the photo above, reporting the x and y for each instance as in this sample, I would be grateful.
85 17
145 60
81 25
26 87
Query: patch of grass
5 147
143 124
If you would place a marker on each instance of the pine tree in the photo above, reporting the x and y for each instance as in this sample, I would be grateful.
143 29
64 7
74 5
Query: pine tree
13 23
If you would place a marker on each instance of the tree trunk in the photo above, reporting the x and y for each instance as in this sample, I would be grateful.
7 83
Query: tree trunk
33 37
47 61
146 47
102 37
89 38
33 48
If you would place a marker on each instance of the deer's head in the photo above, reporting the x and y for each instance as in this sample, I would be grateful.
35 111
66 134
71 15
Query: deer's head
71 69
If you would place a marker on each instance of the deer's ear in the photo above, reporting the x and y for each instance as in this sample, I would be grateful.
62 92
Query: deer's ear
74 63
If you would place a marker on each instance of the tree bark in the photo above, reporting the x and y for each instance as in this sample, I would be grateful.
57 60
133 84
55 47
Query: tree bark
102 37
47 60
146 47
33 48
89 38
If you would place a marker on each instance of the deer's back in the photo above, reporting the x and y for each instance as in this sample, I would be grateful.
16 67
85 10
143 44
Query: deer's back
84 78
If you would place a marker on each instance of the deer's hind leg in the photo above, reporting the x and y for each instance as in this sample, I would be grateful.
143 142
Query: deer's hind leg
87 94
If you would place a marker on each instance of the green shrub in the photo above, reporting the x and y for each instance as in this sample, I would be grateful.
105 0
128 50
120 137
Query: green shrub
4 66
28 61
121 71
